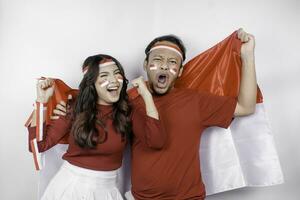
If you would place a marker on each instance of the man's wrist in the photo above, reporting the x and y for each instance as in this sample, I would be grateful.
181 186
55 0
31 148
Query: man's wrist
248 58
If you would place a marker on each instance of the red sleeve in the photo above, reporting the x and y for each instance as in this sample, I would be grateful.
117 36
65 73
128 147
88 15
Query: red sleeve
147 129
216 110
52 133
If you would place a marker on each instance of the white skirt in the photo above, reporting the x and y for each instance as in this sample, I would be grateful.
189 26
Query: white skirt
76 183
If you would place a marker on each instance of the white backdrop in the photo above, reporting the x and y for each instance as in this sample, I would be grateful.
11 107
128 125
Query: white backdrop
52 38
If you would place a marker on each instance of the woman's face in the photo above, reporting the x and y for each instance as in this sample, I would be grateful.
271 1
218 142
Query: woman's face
109 84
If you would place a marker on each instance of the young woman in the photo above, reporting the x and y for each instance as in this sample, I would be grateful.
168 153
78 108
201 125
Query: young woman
98 124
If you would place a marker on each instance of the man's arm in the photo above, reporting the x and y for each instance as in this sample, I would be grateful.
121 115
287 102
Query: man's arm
248 89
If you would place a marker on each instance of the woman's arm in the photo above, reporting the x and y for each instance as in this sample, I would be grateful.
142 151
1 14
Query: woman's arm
57 129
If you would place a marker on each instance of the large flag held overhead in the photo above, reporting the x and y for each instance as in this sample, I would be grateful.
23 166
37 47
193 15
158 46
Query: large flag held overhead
244 154
240 156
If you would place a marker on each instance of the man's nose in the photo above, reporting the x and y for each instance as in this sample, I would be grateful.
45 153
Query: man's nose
164 66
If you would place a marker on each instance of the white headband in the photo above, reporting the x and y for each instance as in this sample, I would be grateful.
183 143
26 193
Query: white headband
107 64
100 65
167 47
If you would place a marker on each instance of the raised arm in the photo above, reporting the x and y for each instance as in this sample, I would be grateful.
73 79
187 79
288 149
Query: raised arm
248 88
57 129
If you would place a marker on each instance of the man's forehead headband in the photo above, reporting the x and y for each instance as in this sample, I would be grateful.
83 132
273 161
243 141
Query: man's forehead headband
171 47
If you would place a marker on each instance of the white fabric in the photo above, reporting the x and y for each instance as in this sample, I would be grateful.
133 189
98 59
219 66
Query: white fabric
76 183
52 163
243 155
128 195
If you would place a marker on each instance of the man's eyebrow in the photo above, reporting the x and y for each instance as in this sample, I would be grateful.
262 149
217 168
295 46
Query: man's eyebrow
157 55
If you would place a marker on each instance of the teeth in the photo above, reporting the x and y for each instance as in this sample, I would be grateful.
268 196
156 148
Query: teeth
112 88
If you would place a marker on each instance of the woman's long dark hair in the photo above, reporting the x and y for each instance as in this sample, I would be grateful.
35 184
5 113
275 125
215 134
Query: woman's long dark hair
85 110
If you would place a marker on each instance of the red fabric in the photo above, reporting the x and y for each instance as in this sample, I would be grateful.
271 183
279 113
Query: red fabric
61 92
217 70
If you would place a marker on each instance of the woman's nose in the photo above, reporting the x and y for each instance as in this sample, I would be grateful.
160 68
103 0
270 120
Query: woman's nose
112 79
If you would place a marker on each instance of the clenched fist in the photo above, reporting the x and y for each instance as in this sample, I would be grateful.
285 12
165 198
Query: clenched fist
248 40
44 89
142 89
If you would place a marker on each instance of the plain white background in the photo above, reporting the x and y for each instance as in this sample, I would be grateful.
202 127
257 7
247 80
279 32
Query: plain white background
52 38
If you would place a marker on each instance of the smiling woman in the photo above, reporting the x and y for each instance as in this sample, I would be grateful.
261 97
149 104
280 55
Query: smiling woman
103 85
98 125
108 83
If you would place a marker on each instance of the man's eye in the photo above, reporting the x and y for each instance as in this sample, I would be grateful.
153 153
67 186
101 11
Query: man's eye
173 62
157 59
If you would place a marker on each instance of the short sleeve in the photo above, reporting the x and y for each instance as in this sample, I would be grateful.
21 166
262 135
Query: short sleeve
216 110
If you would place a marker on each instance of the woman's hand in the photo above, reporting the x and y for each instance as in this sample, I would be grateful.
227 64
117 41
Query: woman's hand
45 89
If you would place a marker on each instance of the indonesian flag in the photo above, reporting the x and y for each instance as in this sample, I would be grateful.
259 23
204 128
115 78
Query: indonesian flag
244 154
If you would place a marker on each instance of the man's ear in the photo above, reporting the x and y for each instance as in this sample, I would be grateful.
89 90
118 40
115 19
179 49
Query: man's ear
180 71
145 64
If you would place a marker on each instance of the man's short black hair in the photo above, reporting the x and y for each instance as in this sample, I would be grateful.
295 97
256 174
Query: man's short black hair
169 38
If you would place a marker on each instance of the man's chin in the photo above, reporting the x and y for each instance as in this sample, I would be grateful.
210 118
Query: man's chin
161 91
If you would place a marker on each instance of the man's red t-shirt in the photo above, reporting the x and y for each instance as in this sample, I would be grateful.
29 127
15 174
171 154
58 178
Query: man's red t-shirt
173 172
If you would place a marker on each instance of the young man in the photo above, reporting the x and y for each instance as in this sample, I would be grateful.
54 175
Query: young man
173 172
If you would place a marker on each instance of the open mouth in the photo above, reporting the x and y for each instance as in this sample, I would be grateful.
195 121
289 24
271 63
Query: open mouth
162 80
113 90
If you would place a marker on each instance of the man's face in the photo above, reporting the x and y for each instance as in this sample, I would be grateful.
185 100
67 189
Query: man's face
109 84
163 68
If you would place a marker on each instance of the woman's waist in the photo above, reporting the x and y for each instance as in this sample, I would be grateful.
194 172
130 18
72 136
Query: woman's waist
93 166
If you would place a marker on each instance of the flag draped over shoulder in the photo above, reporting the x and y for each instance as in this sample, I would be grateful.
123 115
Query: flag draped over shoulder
242 155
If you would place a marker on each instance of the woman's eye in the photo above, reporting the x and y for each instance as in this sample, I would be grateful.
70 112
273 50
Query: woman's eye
104 75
